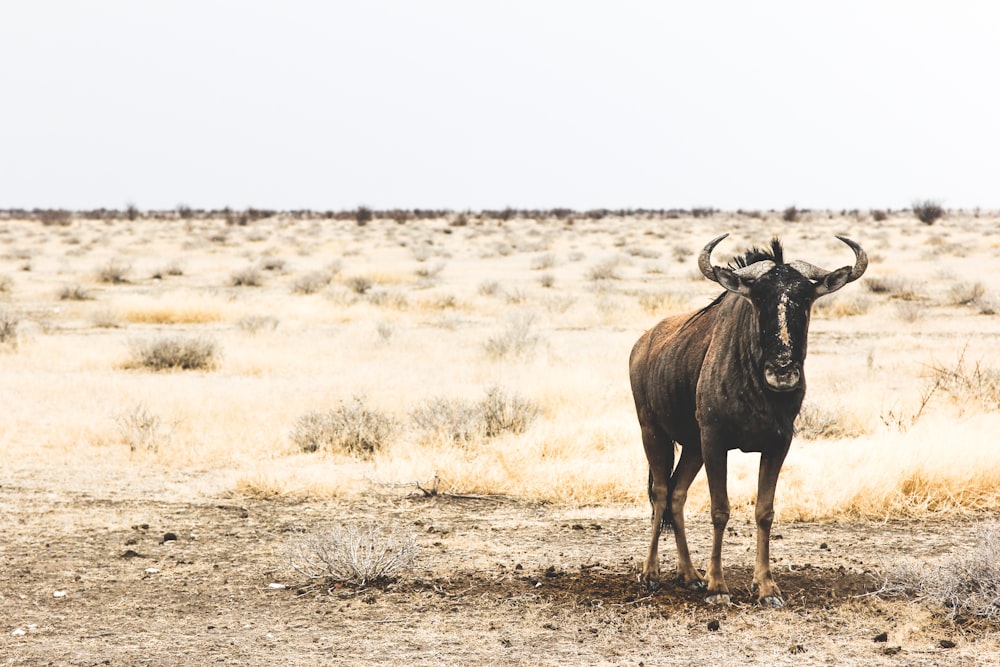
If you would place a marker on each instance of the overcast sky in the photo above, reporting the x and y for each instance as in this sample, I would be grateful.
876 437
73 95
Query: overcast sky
466 104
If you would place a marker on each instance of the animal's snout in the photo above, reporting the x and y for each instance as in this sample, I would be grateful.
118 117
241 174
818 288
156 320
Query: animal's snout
782 376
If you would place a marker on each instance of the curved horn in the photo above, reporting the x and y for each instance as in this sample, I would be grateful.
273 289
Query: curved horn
860 259
705 261
815 273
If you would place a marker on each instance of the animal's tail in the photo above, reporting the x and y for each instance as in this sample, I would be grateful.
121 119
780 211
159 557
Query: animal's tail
667 520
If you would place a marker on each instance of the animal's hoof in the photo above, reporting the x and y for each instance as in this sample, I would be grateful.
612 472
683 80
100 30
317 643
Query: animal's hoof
697 585
719 598
650 585
772 601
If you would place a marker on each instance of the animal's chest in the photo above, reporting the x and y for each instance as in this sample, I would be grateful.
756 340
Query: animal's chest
747 419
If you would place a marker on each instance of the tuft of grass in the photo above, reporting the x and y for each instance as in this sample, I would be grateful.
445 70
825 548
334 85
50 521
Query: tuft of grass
542 262
351 428
965 583
441 420
356 555
175 352
6 284
106 318
891 286
663 302
843 306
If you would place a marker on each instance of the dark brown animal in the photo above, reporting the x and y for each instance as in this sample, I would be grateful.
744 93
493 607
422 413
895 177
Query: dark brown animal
727 376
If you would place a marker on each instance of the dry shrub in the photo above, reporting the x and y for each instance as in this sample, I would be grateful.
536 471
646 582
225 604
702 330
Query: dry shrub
891 286
248 277
542 262
966 583
356 555
9 322
506 413
175 353
75 293
927 211
254 323
606 270
115 272
462 422
359 284
966 293
976 386
140 429
189 313
351 428
6 283
518 339
312 282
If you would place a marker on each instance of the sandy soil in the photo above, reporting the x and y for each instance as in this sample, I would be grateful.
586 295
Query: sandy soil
87 577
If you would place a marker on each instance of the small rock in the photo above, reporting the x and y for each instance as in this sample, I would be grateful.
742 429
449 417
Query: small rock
881 637
825 546
169 537
713 625
151 570
892 650
276 586
59 594
946 643
131 553
795 649
18 632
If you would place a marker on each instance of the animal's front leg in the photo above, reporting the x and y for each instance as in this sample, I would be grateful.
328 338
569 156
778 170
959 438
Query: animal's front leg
768 592
715 456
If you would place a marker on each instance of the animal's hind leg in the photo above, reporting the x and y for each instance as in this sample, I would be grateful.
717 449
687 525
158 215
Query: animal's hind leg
660 454
687 468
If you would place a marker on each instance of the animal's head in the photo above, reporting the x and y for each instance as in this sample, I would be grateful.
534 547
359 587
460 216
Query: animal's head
782 296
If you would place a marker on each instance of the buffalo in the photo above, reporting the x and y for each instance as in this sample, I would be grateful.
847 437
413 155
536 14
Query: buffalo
724 377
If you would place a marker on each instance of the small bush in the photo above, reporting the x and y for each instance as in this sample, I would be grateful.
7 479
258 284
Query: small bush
606 270
175 352
790 214
359 284
75 293
115 272
965 293
355 555
450 421
503 413
542 262
489 288
927 211
248 277
879 216
519 339
6 284
547 280
254 323
140 429
462 422
967 387
351 428
106 318
966 583
311 282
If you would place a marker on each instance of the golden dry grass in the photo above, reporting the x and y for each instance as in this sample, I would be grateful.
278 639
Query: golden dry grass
423 330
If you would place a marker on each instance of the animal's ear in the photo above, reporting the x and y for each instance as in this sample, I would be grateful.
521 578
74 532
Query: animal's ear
833 281
733 282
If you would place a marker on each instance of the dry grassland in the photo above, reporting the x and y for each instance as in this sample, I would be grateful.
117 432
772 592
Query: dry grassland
305 315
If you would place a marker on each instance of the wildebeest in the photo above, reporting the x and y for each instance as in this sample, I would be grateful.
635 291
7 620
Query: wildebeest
724 377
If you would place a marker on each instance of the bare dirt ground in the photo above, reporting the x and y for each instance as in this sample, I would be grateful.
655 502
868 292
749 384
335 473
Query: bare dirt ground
87 577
